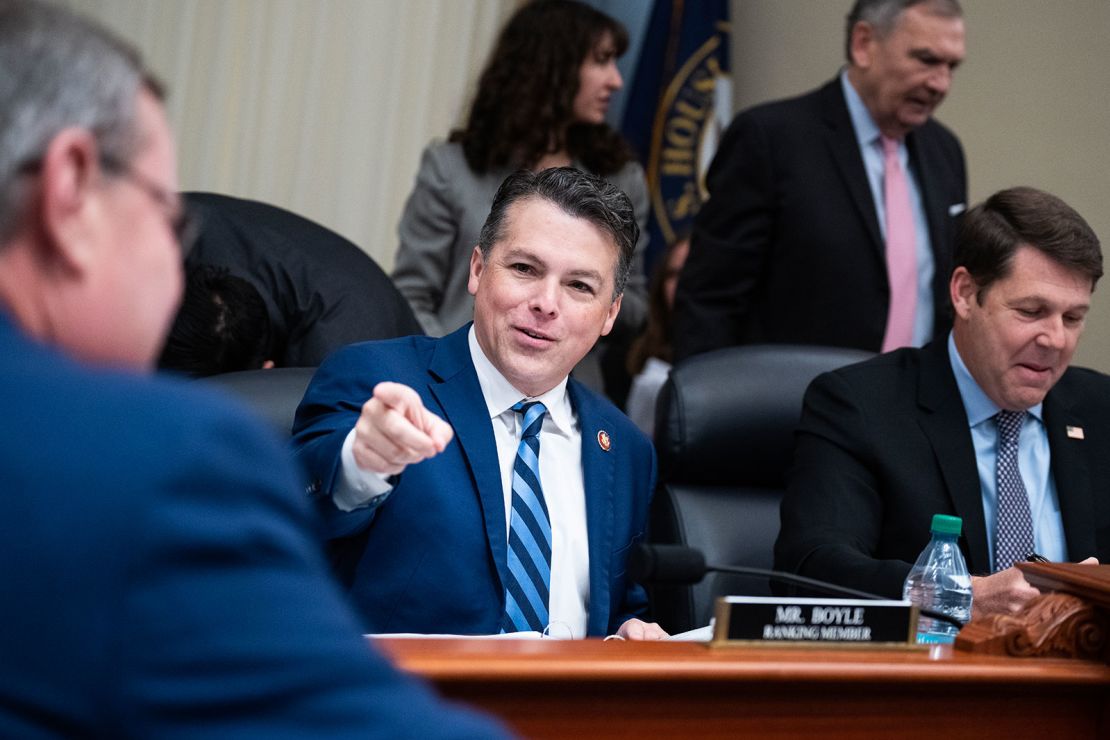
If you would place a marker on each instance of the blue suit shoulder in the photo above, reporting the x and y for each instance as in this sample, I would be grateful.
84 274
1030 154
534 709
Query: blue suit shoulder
166 523
388 357
117 425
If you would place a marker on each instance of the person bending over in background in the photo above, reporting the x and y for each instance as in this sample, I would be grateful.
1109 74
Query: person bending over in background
221 327
321 292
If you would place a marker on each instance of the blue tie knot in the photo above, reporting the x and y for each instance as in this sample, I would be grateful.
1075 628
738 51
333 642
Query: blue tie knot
533 416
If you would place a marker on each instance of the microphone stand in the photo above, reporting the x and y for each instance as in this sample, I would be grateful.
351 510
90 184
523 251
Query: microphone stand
829 588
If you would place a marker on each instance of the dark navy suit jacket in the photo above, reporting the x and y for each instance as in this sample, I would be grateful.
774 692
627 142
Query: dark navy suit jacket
884 444
160 575
788 247
432 558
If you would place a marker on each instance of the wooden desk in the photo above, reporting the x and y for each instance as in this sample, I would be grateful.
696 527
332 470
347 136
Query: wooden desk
551 689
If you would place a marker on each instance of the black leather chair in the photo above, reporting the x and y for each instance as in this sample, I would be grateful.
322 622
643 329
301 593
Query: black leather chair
274 394
320 290
725 436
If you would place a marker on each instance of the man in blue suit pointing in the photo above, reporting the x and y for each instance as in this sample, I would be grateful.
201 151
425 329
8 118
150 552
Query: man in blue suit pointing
160 573
469 485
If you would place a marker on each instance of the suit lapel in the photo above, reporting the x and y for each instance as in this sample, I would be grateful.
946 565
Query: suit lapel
844 149
1071 473
928 184
455 385
944 421
597 475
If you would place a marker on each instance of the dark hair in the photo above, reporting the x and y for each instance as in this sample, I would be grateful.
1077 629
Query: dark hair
656 338
222 325
991 232
882 15
523 108
578 194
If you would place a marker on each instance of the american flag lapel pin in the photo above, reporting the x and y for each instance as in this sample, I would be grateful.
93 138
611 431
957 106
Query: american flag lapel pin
1074 432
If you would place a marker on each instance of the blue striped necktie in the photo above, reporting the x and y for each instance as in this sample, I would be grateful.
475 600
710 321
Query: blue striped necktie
529 556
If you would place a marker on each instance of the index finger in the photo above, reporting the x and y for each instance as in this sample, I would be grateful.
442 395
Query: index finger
400 398
397 414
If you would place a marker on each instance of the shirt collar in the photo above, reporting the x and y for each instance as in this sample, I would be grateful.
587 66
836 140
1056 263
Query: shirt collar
500 395
867 131
977 404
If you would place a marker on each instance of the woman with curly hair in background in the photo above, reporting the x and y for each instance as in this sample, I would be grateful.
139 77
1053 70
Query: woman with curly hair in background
541 102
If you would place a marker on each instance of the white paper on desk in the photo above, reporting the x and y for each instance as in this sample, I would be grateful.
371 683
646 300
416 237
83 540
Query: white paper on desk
504 636
701 634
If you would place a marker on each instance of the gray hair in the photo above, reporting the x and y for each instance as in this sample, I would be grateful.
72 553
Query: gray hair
882 15
578 194
59 70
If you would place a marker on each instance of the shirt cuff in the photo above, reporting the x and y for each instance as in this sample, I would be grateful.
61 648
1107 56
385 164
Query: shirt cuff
356 488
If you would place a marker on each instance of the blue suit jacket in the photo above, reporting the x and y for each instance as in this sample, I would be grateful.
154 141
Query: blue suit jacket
432 558
161 576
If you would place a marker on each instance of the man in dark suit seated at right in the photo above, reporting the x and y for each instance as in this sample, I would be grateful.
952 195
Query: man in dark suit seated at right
990 425
831 215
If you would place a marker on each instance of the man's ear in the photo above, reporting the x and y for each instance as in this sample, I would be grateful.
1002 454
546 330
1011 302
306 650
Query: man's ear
611 316
962 290
862 44
477 264
69 173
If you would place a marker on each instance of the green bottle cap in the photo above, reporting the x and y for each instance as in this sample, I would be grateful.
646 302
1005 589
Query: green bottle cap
944 524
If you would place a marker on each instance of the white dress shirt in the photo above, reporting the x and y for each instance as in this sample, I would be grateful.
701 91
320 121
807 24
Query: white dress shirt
564 489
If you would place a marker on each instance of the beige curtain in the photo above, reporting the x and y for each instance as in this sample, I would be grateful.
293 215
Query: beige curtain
319 106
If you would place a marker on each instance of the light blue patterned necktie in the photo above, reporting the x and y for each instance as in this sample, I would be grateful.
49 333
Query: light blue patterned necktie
529 555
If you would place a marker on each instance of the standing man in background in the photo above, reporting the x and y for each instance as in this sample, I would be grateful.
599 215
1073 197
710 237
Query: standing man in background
830 217
160 576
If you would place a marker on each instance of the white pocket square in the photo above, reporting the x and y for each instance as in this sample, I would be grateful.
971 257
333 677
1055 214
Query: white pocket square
956 209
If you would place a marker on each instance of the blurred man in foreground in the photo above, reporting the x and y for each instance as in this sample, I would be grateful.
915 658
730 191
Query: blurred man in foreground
990 425
160 578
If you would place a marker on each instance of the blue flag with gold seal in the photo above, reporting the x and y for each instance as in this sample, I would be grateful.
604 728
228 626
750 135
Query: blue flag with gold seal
680 102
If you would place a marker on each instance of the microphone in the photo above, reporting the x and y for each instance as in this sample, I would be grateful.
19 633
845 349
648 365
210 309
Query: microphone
681 565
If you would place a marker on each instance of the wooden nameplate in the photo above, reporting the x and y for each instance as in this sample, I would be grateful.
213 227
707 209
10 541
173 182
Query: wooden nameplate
1071 619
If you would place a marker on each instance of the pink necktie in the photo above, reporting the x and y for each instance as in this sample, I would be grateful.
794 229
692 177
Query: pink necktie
901 256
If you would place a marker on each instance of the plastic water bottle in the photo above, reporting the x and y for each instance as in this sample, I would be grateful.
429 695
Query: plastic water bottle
939 581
